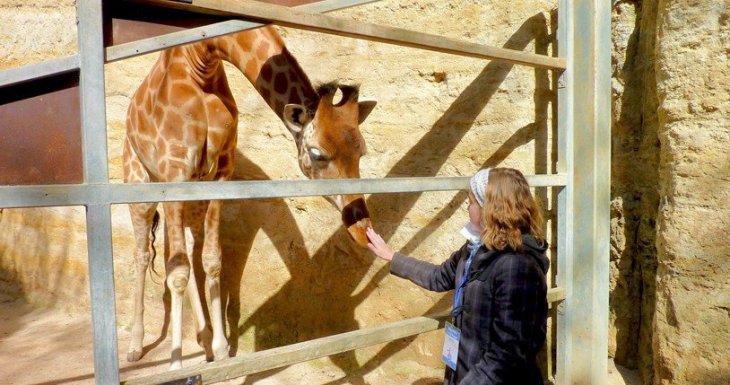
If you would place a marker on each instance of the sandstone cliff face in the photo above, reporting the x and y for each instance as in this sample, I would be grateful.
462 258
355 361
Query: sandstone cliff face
287 261
691 342
671 190
635 199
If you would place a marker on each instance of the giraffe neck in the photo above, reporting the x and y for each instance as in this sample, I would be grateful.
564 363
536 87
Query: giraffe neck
262 57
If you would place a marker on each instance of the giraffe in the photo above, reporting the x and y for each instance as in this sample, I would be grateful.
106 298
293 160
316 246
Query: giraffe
181 126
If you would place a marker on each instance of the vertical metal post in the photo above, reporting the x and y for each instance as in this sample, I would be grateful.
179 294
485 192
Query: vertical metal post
584 116
98 217
564 357
101 278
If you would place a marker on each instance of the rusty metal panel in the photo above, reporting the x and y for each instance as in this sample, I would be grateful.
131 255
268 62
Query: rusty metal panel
129 21
40 132
126 22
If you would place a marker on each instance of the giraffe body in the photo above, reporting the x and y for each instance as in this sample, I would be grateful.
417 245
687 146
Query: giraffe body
182 126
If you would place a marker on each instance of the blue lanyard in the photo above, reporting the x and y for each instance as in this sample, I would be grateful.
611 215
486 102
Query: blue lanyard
462 282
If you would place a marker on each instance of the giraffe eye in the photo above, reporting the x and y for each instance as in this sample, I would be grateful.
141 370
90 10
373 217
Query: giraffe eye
316 155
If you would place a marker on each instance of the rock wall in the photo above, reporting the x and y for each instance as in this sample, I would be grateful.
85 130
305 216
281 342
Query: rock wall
691 342
635 197
671 189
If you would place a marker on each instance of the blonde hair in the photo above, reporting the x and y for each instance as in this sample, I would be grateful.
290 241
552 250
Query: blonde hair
509 210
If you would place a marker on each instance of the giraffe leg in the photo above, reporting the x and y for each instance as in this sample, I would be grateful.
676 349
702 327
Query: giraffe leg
178 275
194 215
142 215
212 255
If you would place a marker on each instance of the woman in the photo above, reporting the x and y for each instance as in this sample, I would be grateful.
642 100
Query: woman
500 304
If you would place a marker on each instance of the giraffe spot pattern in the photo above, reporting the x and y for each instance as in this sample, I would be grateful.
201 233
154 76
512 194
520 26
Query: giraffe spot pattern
295 97
278 106
279 61
281 83
266 94
236 55
251 66
262 52
267 72
277 82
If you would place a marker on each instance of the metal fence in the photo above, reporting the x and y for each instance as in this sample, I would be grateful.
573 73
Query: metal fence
582 177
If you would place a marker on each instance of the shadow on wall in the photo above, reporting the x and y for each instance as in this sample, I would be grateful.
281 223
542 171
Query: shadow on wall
10 289
635 201
37 270
37 261
320 298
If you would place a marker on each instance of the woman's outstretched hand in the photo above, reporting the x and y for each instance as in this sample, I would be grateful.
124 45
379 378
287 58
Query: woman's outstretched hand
378 246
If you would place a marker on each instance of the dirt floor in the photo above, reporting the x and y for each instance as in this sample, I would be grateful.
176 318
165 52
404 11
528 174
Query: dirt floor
43 347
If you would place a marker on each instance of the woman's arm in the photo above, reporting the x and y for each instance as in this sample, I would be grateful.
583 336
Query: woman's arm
424 274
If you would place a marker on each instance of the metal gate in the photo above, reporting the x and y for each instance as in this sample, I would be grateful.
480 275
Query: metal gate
582 177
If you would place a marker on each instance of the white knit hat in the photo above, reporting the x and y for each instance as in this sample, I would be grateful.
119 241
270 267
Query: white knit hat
478 184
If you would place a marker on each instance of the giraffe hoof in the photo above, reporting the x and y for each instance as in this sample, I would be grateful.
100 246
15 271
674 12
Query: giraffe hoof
134 355
221 353
205 337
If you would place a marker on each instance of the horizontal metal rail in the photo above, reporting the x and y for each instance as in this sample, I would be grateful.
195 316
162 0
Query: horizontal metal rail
297 20
257 362
294 18
39 70
158 43
169 40
301 352
101 194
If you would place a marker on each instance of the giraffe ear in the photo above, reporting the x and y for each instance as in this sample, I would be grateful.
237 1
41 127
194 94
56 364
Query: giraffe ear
295 118
365 108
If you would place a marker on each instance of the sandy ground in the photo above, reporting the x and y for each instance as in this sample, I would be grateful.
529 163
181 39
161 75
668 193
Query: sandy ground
43 347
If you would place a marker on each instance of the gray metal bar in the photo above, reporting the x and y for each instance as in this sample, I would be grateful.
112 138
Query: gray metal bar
325 6
98 217
101 282
288 17
584 315
564 356
300 352
105 194
158 43
39 70
258 362
93 108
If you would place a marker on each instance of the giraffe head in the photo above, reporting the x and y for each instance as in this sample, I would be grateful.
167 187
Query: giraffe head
330 146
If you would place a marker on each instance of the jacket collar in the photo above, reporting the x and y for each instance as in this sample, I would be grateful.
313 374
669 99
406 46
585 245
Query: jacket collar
483 258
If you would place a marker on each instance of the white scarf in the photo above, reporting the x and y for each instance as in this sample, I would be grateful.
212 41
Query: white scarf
471 234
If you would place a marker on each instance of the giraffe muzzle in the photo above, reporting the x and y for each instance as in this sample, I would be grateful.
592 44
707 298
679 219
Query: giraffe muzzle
356 218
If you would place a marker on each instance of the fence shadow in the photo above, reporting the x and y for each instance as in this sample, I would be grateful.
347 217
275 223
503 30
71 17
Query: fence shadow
470 102
322 294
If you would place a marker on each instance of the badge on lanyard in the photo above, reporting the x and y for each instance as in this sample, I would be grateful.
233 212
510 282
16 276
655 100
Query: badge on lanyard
453 334
451 345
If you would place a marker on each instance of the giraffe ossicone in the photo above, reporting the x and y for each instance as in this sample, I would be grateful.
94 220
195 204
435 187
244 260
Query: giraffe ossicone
182 126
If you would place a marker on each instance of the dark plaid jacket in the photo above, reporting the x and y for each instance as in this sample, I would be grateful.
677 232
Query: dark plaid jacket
504 317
